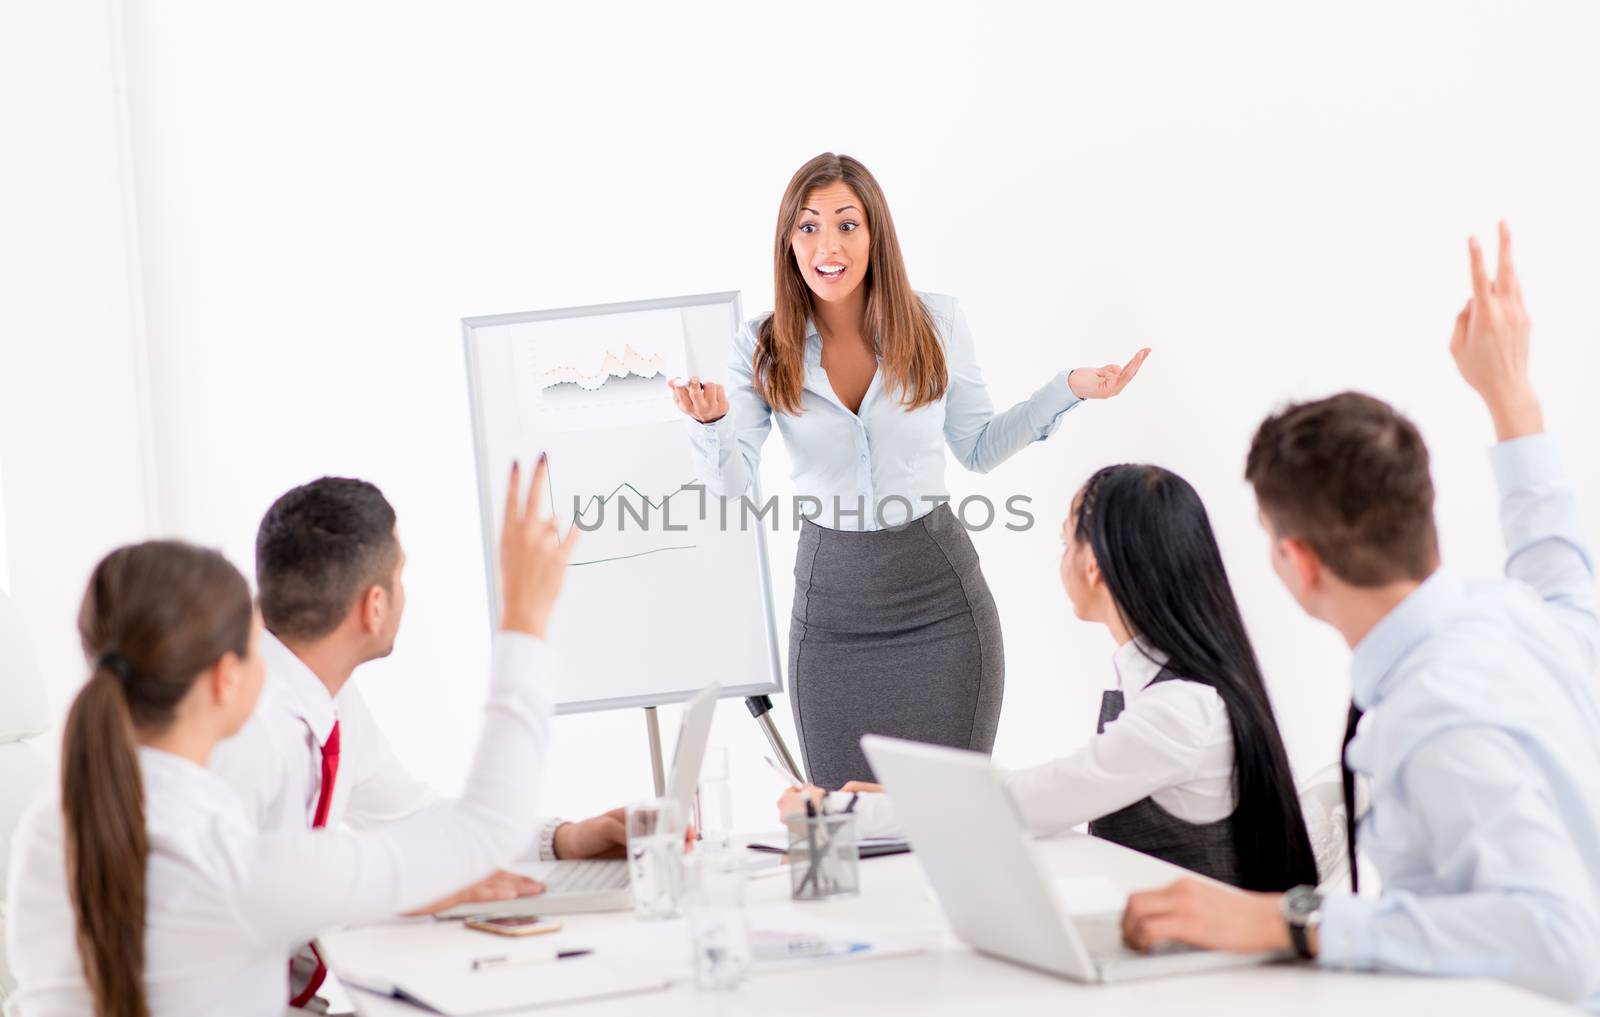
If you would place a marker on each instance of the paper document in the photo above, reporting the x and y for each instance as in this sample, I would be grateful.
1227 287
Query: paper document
451 986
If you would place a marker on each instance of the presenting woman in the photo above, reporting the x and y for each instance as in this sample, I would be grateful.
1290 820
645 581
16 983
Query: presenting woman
894 629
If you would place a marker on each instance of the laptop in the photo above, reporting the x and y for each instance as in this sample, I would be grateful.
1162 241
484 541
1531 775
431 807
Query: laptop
574 887
981 861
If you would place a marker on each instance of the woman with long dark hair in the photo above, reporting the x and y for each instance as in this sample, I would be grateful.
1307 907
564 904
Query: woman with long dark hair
894 630
1187 763
142 887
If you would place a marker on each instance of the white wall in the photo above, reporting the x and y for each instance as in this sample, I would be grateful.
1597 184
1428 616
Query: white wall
73 438
1275 198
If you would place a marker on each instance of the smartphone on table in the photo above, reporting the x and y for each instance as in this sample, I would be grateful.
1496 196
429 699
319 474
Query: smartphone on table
513 925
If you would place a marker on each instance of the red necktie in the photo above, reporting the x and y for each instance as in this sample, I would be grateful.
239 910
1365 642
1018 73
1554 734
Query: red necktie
330 773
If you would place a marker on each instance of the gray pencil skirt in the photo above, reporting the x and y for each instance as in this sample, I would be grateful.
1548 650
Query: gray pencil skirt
894 632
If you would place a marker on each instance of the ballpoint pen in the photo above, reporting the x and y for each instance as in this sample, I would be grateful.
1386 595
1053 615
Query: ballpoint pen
811 844
505 960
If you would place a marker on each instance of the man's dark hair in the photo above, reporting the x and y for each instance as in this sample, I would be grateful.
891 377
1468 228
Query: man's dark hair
319 547
1348 476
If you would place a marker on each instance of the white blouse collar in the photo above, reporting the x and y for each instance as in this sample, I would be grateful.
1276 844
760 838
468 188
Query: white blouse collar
1137 664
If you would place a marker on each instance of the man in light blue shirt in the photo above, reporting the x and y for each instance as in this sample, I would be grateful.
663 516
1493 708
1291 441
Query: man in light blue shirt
1474 718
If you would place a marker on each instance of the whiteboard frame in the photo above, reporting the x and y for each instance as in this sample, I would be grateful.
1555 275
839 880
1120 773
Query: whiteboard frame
490 525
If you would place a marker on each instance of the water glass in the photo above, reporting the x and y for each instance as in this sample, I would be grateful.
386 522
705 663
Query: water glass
655 858
824 855
714 802
719 935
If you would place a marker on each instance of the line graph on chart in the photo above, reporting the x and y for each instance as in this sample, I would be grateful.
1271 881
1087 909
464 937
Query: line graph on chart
630 363
595 373
653 510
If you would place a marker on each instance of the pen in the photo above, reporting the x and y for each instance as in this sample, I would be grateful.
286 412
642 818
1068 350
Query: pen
783 772
852 806
811 844
505 960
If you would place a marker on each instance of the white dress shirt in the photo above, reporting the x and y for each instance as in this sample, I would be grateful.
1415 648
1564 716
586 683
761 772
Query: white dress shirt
1481 742
274 763
1172 744
226 904
884 464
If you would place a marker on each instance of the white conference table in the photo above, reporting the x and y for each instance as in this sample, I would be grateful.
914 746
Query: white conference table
946 976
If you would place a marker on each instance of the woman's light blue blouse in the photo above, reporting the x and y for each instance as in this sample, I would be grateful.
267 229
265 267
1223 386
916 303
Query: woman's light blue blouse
884 465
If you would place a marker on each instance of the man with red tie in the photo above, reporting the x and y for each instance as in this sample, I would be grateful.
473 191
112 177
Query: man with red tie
329 576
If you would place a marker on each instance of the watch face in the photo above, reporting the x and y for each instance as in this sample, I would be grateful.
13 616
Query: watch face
1301 903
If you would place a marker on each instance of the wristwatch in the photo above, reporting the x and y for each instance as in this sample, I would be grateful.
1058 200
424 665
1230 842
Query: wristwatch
1302 912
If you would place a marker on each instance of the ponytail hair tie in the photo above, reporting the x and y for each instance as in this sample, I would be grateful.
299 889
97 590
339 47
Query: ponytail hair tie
118 665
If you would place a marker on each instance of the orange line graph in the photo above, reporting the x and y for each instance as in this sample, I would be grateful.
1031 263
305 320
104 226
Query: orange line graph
630 364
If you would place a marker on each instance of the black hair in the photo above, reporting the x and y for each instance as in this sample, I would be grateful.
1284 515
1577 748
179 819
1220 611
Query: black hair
1153 542
320 546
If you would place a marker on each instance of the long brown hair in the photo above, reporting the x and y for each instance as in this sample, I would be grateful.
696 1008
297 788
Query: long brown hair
155 616
896 320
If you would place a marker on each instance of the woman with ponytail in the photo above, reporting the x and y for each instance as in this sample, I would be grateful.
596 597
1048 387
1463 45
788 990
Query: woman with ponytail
1186 763
141 887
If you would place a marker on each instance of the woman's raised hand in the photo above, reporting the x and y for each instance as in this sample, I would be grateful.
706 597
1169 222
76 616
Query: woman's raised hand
1105 382
705 403
533 556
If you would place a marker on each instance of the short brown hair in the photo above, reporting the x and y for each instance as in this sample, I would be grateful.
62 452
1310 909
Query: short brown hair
320 547
1348 475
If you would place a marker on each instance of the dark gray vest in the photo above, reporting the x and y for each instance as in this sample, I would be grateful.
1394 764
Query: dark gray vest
1144 826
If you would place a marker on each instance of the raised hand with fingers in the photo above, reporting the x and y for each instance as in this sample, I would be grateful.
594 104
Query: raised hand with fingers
1490 343
705 402
1105 382
533 556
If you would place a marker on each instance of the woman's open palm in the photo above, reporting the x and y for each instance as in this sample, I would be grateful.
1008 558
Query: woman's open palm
1105 382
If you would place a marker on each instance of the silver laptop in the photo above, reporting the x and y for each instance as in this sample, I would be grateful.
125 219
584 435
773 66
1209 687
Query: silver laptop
989 880
602 884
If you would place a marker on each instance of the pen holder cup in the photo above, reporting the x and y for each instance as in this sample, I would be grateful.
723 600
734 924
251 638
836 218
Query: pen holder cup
824 856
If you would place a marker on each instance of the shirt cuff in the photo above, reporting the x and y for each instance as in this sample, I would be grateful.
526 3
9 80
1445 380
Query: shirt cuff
1345 937
1047 406
706 440
1530 461
547 838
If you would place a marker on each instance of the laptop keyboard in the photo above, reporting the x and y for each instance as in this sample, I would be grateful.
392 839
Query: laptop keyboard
586 877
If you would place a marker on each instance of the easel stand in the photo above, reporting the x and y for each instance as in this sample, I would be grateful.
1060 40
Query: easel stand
652 726
760 708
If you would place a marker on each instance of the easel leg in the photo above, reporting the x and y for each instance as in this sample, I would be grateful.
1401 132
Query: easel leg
652 726
760 708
